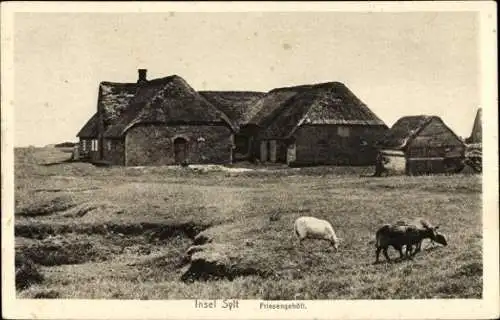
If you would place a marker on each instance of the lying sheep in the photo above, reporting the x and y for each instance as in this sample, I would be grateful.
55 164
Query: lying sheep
314 228
399 235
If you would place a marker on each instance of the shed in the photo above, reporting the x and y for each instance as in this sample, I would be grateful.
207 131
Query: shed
417 145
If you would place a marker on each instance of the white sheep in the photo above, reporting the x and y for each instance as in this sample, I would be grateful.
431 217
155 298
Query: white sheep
314 228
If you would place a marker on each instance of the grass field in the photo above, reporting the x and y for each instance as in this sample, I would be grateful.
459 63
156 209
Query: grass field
123 233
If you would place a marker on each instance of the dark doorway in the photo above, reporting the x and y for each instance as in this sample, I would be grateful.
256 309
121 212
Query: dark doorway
180 150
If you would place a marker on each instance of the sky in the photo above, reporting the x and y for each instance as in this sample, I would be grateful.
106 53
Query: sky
398 64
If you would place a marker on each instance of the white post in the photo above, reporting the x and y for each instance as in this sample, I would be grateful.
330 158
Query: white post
291 154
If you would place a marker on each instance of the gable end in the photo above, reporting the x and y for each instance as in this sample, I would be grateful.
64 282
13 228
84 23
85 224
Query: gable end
435 134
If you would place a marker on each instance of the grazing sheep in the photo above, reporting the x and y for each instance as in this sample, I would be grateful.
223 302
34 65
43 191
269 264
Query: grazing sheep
422 223
399 235
314 228
439 237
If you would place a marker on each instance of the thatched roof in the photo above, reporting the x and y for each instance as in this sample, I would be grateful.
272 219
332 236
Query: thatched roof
268 105
279 112
403 130
90 129
114 98
166 100
476 135
407 128
324 103
239 106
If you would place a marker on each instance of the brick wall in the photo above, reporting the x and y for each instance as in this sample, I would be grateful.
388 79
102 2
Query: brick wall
154 144
114 151
84 148
94 156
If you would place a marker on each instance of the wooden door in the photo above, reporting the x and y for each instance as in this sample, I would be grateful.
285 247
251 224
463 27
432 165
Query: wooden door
180 150
263 151
272 150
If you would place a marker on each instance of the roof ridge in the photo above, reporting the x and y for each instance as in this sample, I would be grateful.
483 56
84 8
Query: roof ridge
310 86
152 81
230 91
117 83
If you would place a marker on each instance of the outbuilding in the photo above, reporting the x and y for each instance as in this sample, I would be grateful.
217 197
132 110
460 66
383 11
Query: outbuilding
422 144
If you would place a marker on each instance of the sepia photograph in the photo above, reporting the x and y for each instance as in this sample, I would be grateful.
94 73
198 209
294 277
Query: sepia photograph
247 161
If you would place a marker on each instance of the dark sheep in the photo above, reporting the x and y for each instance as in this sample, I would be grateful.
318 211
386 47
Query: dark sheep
422 223
399 235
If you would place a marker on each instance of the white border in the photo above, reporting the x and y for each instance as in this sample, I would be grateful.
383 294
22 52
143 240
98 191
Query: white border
488 307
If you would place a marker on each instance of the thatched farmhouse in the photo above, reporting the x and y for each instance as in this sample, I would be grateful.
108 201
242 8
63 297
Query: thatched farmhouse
422 145
316 124
157 122
165 121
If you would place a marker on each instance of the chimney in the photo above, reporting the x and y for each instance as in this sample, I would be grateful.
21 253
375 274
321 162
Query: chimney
142 76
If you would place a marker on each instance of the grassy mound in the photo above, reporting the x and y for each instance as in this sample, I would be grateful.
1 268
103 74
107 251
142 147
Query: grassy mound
63 252
46 206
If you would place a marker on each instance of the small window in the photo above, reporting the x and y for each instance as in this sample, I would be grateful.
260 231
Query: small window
95 145
84 145
108 145
343 131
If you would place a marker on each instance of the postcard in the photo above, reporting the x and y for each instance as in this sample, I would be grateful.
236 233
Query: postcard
245 160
